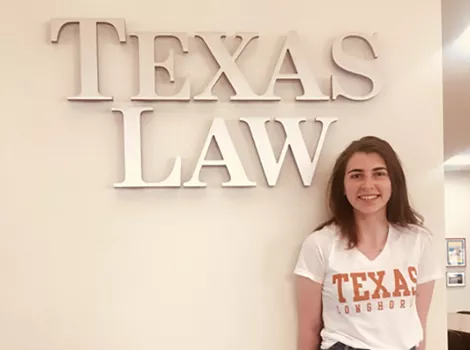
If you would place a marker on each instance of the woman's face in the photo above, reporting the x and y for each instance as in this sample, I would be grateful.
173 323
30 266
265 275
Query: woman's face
367 184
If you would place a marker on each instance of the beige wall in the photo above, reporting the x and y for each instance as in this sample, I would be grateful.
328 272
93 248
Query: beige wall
456 77
87 266
457 205
456 84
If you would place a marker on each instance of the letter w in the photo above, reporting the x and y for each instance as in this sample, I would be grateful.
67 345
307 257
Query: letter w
294 140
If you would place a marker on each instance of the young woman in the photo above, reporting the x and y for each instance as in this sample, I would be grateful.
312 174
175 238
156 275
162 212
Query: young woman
365 278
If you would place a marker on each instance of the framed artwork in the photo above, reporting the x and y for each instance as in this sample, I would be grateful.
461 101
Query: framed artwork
455 279
456 251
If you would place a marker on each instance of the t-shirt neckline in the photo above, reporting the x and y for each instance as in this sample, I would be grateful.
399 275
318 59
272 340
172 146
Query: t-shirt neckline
381 254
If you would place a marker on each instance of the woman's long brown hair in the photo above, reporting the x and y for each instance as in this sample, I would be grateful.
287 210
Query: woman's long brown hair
399 211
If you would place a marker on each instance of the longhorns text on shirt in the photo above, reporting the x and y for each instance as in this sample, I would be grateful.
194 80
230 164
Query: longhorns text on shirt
89 82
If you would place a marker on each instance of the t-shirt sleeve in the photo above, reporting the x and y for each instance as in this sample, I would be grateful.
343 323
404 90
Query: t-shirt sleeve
429 267
311 262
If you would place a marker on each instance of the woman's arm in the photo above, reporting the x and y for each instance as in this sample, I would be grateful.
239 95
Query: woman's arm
309 313
424 293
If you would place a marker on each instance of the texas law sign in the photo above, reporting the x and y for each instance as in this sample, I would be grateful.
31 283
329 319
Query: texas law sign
243 92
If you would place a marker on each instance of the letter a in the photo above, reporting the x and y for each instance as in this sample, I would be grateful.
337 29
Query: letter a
231 161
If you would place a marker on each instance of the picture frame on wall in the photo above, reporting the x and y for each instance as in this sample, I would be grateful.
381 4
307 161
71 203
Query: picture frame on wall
456 251
455 279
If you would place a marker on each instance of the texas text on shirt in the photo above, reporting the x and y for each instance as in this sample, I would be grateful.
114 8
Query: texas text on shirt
370 303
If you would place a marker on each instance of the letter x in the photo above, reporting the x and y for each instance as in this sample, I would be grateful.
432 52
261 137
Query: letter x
379 284
227 66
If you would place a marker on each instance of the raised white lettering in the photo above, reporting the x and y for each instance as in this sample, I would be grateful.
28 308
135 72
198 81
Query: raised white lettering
294 139
133 153
304 74
355 66
147 65
228 67
230 159
89 66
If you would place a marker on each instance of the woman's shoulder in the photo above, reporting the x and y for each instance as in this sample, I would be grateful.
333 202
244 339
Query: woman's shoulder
323 236
416 229
414 233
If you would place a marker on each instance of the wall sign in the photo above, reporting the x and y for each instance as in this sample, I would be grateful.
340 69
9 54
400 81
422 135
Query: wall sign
89 90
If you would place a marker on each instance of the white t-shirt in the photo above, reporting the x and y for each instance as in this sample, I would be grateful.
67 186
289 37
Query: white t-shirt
370 303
